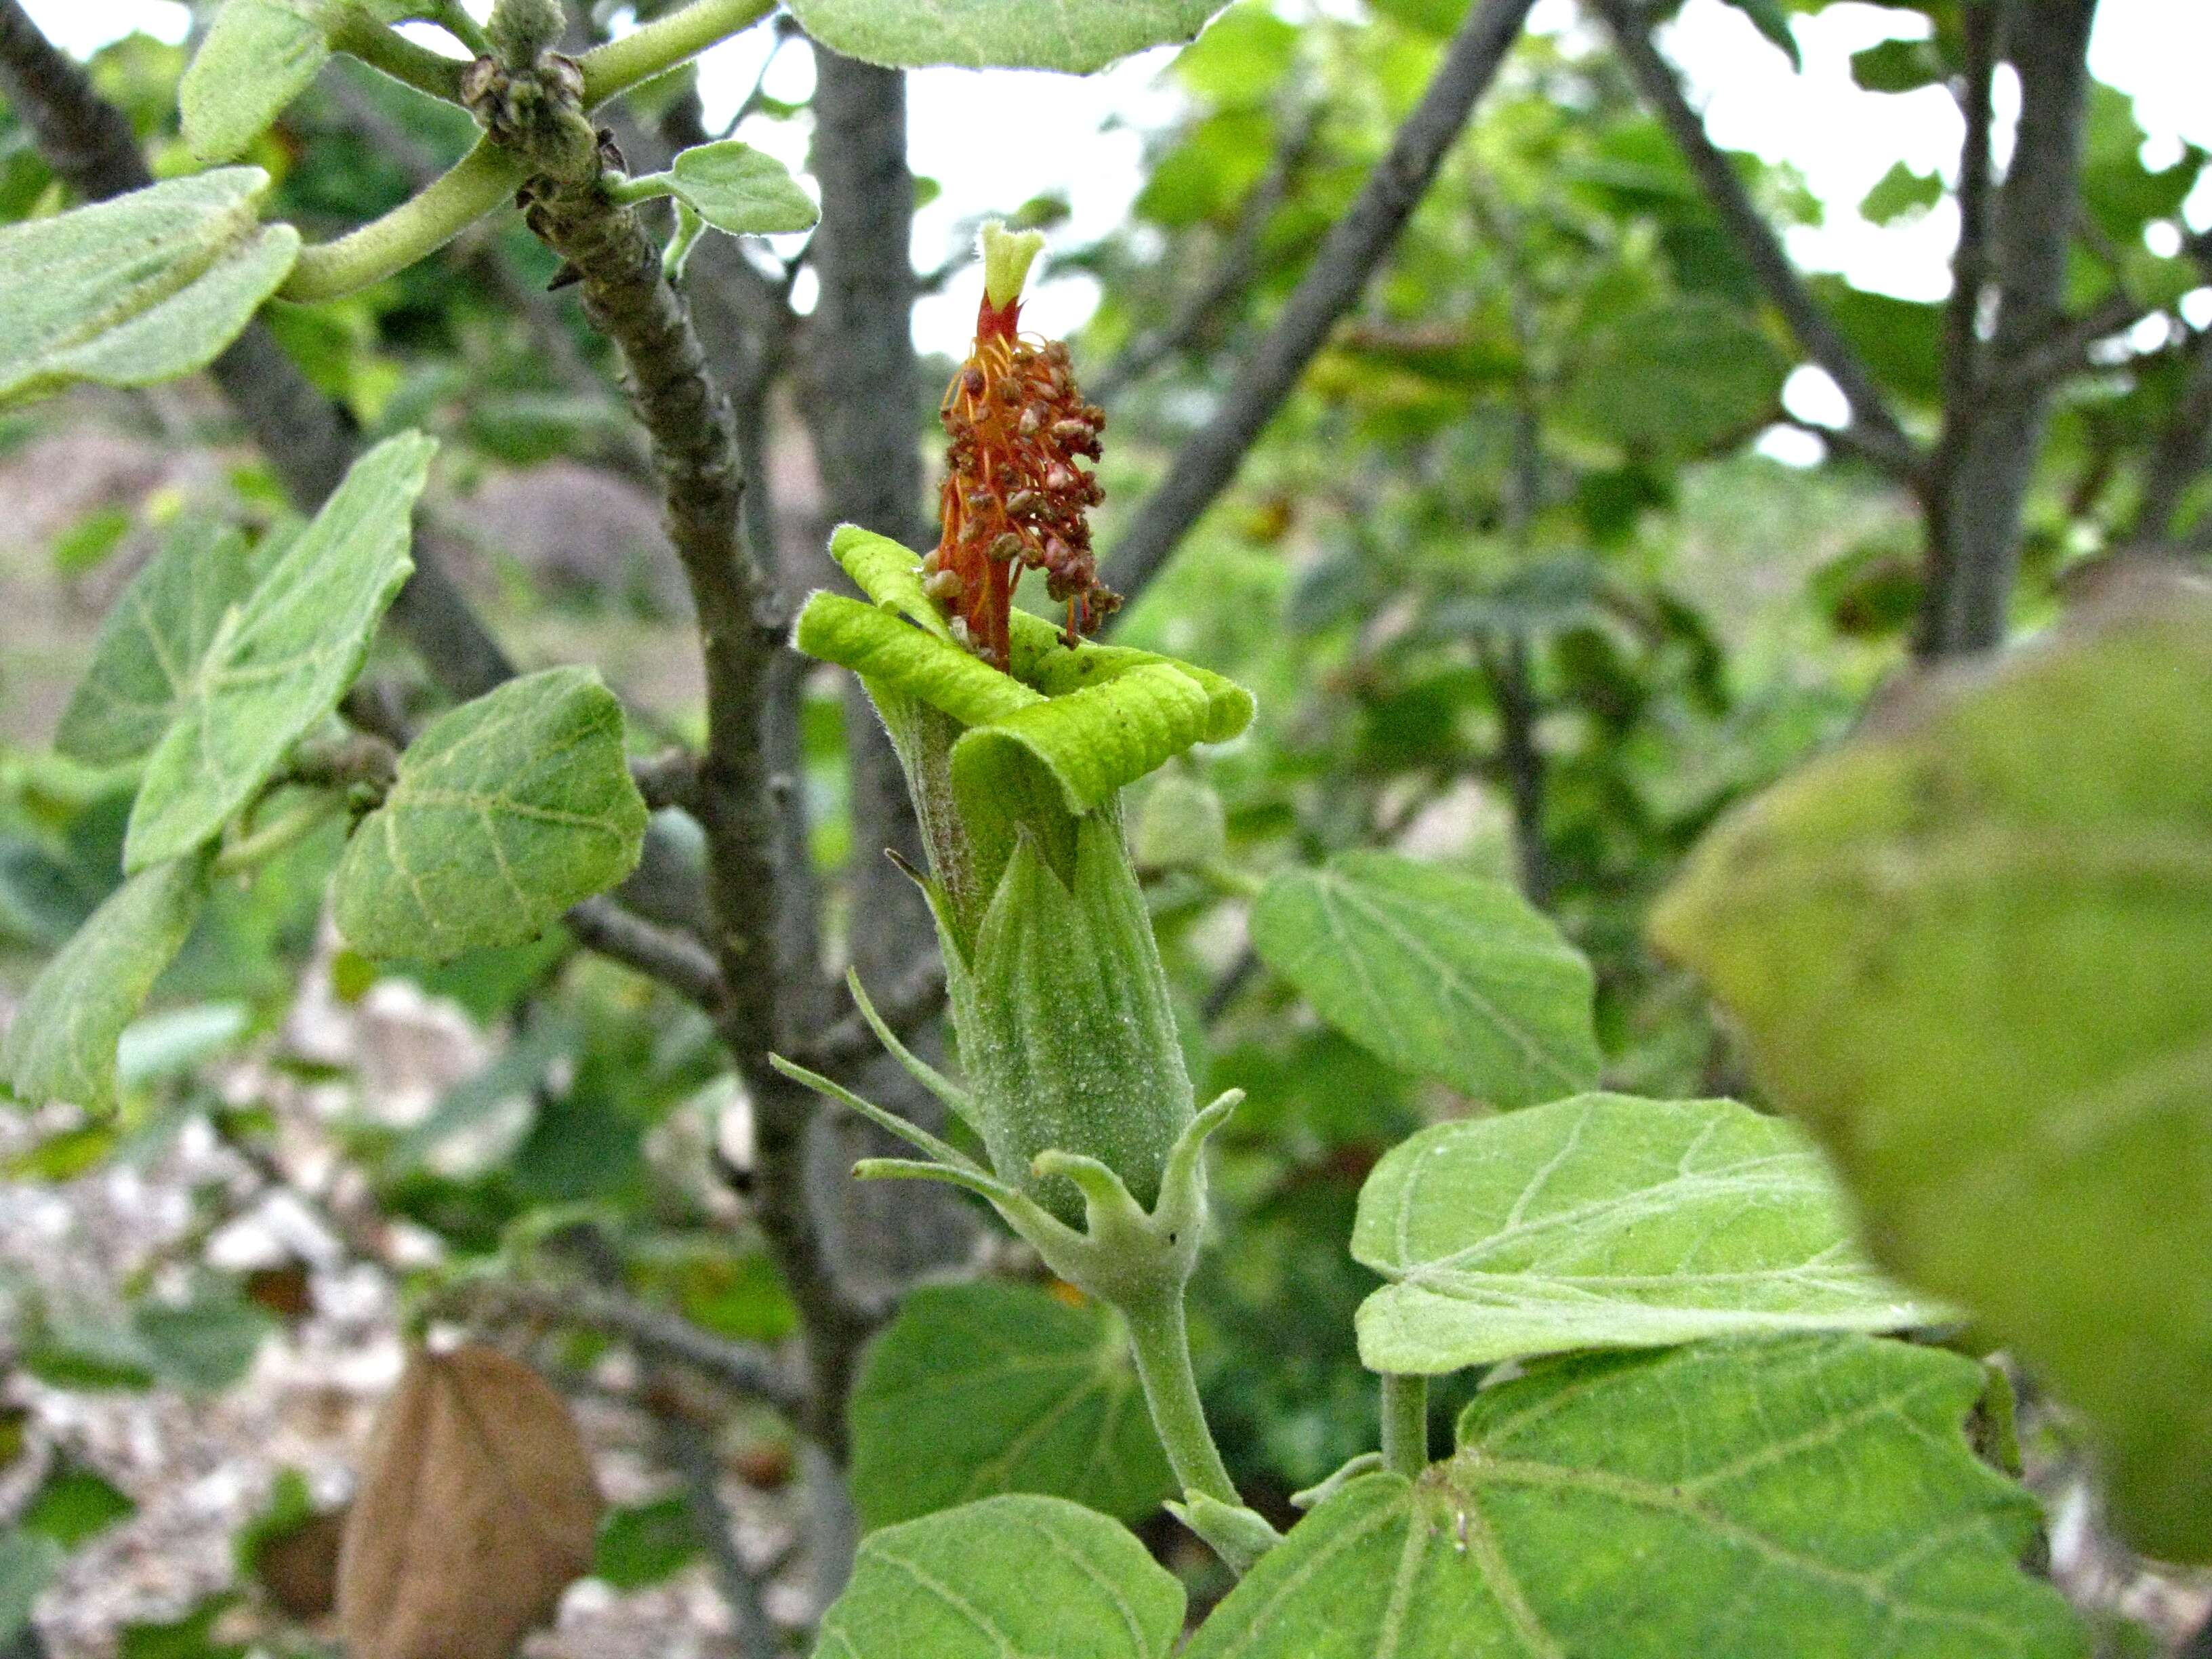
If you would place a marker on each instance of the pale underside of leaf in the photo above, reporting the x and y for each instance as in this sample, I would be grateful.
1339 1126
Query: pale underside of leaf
1074 35
290 651
61 1042
1006 1577
1604 1221
1811 1496
1450 976
257 57
740 189
151 642
142 288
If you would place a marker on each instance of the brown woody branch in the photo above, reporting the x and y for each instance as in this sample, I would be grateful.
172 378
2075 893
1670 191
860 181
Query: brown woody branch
676 959
739 1366
618 277
1209 458
1874 430
1988 462
1238 262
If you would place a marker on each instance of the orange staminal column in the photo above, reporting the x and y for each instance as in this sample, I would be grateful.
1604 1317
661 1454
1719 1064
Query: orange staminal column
1014 498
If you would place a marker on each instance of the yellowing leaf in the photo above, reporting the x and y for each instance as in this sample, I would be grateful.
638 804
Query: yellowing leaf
1969 949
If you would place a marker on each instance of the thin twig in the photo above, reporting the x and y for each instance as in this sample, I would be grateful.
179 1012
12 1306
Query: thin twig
906 1006
1987 466
2183 448
1234 271
740 1367
676 959
670 778
1877 433
691 1449
1209 458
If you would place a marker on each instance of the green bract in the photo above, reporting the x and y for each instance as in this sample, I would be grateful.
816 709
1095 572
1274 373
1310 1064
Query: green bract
1055 981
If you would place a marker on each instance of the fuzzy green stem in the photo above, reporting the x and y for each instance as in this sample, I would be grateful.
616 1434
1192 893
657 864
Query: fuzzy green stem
387 49
285 831
645 187
1405 1425
463 28
659 46
479 182
1160 1340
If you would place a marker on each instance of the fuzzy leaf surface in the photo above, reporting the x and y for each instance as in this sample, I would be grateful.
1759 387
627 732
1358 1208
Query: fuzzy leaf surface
61 1045
284 658
1968 950
144 287
741 190
987 1388
151 642
1808 1495
1075 35
1449 976
1607 1222
507 810
1005 1576
259 56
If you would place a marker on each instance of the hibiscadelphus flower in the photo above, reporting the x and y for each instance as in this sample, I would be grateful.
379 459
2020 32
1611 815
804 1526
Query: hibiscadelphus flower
1015 497
1017 737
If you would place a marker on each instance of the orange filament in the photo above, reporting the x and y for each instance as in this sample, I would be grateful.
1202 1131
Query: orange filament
1014 498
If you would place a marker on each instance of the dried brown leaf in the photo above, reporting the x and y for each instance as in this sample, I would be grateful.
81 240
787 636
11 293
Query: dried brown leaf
477 1510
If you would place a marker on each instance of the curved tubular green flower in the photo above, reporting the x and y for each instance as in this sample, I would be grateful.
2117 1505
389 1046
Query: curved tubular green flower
1075 1077
1055 981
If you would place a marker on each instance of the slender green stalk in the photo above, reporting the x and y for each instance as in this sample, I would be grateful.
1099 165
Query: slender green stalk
620 64
478 182
387 49
457 22
645 187
1405 1425
286 829
1161 1342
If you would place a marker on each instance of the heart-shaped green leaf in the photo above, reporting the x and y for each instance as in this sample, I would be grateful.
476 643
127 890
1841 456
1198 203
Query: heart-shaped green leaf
1606 1222
1807 1495
1969 949
976 1389
1001 1577
1076 35
507 810
144 287
1450 976
283 657
61 1045
151 642
741 190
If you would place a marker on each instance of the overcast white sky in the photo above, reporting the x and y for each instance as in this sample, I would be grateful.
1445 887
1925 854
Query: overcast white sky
1840 139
